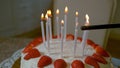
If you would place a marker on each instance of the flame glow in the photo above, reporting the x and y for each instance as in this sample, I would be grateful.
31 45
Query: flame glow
62 22
49 13
42 16
87 19
66 9
76 13
57 11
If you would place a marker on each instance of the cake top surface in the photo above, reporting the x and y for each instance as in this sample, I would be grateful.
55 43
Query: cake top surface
92 55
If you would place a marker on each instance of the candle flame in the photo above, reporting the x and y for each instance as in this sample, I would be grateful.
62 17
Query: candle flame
76 13
46 16
62 22
49 13
57 11
66 9
87 19
42 16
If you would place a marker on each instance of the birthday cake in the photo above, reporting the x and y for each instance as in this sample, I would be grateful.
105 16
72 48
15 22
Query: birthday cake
64 50
37 55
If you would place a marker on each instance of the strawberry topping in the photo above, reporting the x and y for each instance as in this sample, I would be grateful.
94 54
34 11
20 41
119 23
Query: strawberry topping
79 39
70 37
54 37
33 53
101 51
32 44
28 48
89 60
37 41
89 42
99 58
44 61
77 64
60 63
94 45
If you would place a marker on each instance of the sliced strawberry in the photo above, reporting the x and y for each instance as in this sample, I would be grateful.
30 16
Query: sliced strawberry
32 44
70 37
33 53
77 64
99 58
44 61
89 60
89 42
101 51
79 39
60 63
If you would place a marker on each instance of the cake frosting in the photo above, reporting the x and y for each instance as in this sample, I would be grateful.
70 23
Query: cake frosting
94 55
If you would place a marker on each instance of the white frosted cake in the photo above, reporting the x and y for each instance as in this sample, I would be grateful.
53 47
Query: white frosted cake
36 55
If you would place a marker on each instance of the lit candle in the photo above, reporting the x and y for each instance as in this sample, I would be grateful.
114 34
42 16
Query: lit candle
65 26
62 36
76 19
47 33
85 35
57 21
49 21
42 28
76 33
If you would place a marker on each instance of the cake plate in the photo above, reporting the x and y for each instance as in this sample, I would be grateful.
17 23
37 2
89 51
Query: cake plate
8 63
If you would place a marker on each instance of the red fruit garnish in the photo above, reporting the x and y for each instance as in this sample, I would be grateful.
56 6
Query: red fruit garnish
94 45
37 41
27 48
33 53
77 64
32 44
79 39
60 63
89 60
54 37
101 51
99 58
70 37
89 42
44 61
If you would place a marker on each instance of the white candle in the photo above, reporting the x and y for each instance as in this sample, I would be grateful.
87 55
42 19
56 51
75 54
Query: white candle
47 33
76 33
65 26
49 21
42 28
85 35
62 35
57 23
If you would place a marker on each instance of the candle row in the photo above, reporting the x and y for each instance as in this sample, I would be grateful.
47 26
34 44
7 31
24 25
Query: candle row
63 29
48 29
